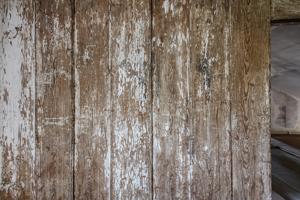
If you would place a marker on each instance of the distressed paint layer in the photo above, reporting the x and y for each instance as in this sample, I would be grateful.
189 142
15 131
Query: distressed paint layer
131 99
172 132
207 56
191 100
17 99
210 50
54 85
92 98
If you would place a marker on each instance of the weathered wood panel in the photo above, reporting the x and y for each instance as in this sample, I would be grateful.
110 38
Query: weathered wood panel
204 100
55 102
250 114
172 133
210 100
17 99
191 100
130 49
92 163
285 9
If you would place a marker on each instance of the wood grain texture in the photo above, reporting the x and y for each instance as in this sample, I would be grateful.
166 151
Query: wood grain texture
164 99
285 9
250 106
210 100
191 100
172 133
55 102
92 163
17 99
130 49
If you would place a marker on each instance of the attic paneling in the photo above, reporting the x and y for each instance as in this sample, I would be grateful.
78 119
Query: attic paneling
125 99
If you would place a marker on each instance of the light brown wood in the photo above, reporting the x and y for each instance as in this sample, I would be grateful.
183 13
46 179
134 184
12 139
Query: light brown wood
130 47
55 101
192 157
172 134
285 9
210 97
124 99
250 103
17 99
92 98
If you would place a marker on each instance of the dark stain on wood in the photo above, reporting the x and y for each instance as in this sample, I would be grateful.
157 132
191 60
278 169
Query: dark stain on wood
205 68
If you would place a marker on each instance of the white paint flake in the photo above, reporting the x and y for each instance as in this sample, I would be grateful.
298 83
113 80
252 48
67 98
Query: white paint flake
166 6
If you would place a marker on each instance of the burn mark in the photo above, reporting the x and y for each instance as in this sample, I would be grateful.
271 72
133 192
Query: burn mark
204 69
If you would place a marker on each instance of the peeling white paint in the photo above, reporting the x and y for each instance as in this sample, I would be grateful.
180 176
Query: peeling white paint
60 39
234 122
86 56
130 62
56 121
205 147
166 6
17 80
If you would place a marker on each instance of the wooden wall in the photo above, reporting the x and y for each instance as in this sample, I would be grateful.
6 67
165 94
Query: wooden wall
125 99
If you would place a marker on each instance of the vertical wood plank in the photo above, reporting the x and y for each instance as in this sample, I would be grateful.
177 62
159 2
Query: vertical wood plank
131 99
92 163
55 105
250 115
191 100
17 99
206 56
171 100
210 110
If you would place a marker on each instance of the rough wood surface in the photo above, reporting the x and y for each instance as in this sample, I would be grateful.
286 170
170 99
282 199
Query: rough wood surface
17 99
54 90
130 49
285 9
191 100
250 114
125 99
210 107
172 133
92 98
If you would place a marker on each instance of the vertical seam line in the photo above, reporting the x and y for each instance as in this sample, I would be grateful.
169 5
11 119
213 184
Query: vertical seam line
110 102
73 90
35 99
230 99
151 99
